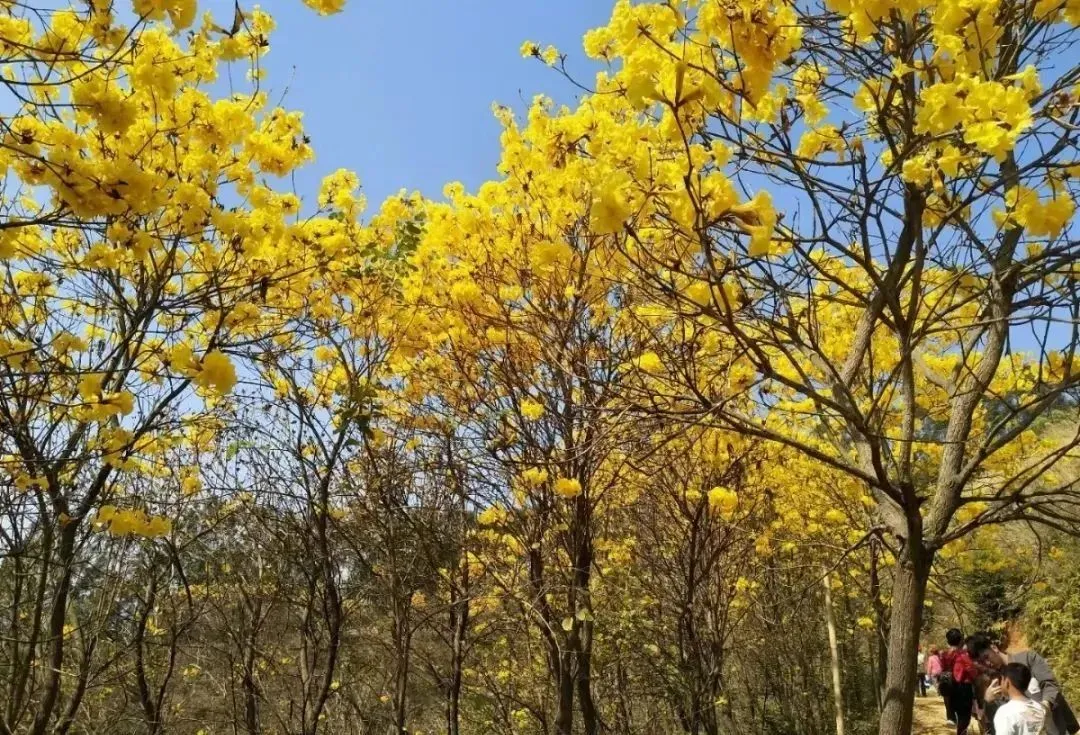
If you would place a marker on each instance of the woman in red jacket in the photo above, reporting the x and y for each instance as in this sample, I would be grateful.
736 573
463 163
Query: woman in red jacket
958 675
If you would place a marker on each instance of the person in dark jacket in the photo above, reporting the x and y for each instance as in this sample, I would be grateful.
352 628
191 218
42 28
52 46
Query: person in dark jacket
1044 687
957 677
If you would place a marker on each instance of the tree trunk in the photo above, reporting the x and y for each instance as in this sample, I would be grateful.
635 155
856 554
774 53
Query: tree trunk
57 617
151 713
329 604
709 721
881 657
564 720
459 624
250 686
623 719
459 604
909 589
403 646
581 635
834 657
589 719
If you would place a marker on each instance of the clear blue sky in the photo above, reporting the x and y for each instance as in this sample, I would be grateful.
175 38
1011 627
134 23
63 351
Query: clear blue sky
401 92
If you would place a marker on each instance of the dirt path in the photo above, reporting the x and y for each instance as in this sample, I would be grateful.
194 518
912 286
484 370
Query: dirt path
930 717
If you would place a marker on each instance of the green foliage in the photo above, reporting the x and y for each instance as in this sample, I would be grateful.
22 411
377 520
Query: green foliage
994 596
1052 620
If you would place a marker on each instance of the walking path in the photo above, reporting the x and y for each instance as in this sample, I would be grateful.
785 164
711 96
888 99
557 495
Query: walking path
930 717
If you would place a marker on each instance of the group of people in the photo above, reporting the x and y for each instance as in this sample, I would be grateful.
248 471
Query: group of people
1006 693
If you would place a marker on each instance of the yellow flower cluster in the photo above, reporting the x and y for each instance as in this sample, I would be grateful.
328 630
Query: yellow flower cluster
534 476
214 373
493 515
131 521
658 65
190 483
1039 218
326 7
532 410
723 501
988 115
181 13
567 487
100 406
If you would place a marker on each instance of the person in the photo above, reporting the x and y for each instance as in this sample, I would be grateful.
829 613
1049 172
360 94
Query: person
945 682
1043 687
1020 715
984 708
933 666
920 668
957 677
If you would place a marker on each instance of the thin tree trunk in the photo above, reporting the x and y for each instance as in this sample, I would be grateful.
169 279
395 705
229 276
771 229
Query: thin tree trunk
250 686
581 637
622 714
58 615
459 603
589 719
459 622
564 720
909 590
881 659
151 714
709 720
834 656
403 644
76 698
331 607
401 692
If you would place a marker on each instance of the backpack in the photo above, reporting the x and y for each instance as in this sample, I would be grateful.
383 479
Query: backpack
945 682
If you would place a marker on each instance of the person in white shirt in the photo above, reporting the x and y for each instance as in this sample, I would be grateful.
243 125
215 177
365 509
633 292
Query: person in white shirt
1020 715
1044 688
921 669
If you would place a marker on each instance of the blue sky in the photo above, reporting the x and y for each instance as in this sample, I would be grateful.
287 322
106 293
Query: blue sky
401 92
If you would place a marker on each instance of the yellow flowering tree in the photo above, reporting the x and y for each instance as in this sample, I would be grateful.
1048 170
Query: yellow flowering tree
682 573
909 168
511 333
144 252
